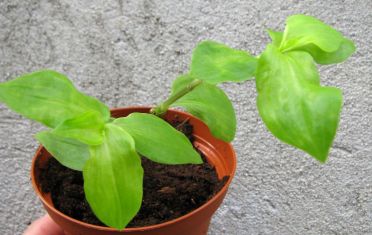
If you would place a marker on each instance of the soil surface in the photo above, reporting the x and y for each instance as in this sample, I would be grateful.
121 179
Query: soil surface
170 191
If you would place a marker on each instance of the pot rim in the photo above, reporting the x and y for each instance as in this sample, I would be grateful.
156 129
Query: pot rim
136 229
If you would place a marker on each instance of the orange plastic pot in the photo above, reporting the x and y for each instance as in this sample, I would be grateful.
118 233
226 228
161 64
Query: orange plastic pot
218 153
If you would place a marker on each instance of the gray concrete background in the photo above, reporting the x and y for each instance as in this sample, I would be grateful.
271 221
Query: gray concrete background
128 52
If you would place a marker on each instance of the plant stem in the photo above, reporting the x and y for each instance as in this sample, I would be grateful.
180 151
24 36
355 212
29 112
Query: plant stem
160 109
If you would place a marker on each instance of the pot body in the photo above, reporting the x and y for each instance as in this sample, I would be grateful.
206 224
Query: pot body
218 153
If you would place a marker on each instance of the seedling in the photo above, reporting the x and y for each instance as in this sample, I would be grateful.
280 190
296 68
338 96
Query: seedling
291 101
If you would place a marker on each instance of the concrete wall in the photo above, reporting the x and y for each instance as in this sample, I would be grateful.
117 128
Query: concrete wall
127 52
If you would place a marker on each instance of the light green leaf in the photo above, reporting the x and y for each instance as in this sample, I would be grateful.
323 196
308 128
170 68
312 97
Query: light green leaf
323 42
158 140
293 105
87 128
48 97
113 178
215 63
211 105
69 152
276 37
346 49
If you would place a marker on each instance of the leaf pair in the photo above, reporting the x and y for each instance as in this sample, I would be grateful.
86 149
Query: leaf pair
81 140
69 142
291 102
214 63
51 99
111 167
84 138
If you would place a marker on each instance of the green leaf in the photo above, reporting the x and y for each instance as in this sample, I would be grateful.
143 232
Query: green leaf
346 49
293 105
113 178
69 141
48 97
324 43
215 63
211 105
69 152
276 37
87 128
158 140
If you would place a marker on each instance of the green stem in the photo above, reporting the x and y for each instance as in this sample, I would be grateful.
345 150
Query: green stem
160 109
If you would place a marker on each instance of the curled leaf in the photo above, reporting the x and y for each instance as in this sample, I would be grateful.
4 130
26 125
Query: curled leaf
306 33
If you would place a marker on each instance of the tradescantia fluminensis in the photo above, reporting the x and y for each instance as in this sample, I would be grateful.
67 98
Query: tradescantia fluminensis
291 101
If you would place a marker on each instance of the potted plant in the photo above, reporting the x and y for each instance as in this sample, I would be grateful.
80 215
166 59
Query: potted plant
106 146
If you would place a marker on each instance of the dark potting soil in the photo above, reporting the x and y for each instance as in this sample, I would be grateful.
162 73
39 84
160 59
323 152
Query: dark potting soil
170 191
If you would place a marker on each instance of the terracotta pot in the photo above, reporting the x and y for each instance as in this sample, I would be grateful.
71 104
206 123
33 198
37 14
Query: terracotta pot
218 153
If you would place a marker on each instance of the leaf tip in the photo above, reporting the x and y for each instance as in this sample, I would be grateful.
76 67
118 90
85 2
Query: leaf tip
322 158
198 160
120 227
352 45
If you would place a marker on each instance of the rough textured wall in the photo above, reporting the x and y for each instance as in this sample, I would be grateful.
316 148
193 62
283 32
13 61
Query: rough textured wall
127 52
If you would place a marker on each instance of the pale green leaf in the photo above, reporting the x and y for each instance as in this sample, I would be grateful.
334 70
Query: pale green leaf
215 63
324 43
276 37
87 128
346 49
211 105
69 152
158 140
293 105
48 97
113 178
